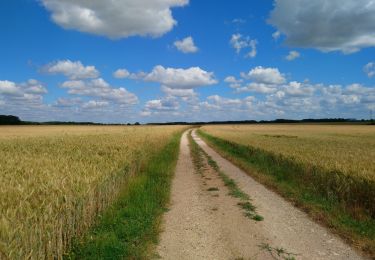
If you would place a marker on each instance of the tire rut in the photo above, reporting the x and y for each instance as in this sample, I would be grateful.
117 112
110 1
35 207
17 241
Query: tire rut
204 222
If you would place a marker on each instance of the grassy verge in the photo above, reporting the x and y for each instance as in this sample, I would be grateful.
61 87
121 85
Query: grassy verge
128 228
200 157
196 155
314 191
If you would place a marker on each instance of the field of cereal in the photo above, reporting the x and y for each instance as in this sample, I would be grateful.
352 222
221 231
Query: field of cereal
55 180
327 170
348 149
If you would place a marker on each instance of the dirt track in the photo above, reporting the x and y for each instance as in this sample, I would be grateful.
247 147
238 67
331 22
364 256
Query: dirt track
204 224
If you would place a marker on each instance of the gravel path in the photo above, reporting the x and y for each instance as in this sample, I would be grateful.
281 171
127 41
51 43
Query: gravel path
204 224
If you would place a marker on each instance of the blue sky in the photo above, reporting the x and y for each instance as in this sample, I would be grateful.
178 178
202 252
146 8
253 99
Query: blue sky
181 60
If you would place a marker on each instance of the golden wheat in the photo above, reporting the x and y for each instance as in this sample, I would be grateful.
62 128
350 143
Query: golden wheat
55 180
349 149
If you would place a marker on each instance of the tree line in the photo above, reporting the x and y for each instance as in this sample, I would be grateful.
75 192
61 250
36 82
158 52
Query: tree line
15 120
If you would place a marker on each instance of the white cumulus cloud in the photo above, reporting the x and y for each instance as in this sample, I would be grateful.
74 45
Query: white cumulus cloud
239 42
121 74
178 78
369 69
263 75
298 89
269 81
175 92
258 88
223 101
100 88
276 35
24 96
93 104
67 102
259 79
186 45
9 88
293 55
333 25
31 86
232 79
115 18
160 105
71 69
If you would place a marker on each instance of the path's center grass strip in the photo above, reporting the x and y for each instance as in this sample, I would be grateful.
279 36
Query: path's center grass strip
200 158
127 229
196 155
290 181
278 252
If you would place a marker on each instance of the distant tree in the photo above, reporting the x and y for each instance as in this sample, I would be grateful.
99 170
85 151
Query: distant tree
9 120
137 123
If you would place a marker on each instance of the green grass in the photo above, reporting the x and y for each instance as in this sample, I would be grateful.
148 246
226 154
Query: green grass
291 181
129 227
277 252
200 157
196 155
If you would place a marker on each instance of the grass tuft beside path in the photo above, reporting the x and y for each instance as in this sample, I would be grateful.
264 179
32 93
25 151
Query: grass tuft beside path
200 158
129 227
289 180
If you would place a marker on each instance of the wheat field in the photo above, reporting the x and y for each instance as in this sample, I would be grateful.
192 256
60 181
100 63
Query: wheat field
56 179
326 170
347 148
335 162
